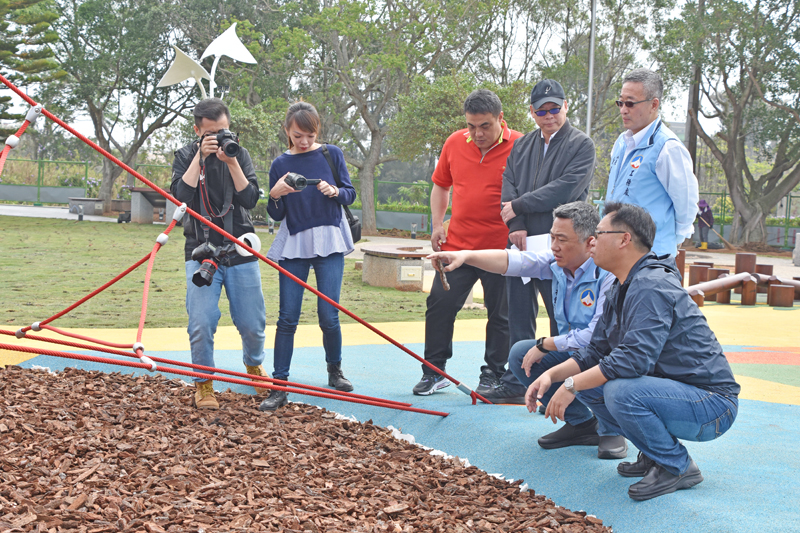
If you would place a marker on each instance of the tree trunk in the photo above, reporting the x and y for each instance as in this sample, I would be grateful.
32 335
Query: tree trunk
366 177
749 224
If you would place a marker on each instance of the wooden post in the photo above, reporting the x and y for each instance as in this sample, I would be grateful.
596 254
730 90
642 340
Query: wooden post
781 295
749 292
698 298
763 269
715 273
680 261
709 264
745 262
697 274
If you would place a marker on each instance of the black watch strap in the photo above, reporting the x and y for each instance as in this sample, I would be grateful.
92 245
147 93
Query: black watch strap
540 345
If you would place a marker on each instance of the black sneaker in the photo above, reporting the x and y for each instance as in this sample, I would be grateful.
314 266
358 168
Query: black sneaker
430 384
503 394
488 382
584 434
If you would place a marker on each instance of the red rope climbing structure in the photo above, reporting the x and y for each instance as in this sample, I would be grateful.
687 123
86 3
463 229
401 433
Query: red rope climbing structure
148 362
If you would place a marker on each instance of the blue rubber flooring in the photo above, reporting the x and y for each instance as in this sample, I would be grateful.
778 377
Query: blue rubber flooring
752 473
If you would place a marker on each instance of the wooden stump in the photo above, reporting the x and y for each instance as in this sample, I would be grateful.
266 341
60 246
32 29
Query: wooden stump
709 264
698 298
749 292
766 270
680 261
714 273
780 295
745 262
697 274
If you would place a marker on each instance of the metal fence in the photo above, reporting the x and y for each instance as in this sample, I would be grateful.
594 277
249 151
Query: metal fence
387 194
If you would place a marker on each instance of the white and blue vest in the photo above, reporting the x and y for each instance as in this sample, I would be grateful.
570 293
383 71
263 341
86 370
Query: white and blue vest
585 292
633 180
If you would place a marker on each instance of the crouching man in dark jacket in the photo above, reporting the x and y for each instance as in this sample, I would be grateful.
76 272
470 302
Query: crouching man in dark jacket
653 371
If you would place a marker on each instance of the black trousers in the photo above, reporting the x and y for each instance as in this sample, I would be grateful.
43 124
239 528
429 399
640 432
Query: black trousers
443 306
523 308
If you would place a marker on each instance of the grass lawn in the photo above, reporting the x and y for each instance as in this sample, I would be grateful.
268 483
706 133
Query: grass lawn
48 264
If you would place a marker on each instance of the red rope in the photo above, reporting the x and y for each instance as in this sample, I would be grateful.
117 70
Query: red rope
7 148
209 369
224 233
147 275
91 294
84 338
131 364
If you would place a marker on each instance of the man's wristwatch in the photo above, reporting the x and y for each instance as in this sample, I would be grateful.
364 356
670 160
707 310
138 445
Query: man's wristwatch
540 345
569 384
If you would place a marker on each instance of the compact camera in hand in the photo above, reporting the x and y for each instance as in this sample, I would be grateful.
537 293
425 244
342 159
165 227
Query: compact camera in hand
298 182
227 140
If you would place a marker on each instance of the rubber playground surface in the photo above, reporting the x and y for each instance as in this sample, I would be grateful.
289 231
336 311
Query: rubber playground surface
752 473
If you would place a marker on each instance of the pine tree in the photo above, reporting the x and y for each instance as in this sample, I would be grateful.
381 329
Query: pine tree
25 54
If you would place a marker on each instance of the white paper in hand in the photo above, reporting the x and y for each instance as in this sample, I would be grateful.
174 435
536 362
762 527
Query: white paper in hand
535 243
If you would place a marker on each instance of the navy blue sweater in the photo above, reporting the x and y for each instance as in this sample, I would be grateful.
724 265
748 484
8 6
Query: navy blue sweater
310 208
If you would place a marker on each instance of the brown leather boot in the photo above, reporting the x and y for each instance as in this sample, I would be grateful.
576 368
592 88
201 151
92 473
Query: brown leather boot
204 395
258 371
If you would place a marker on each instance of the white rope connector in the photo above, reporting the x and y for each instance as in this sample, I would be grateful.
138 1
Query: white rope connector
34 112
36 327
138 346
19 333
146 360
162 239
12 141
251 240
179 212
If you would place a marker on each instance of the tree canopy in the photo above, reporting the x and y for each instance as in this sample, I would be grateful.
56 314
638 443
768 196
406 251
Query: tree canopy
750 57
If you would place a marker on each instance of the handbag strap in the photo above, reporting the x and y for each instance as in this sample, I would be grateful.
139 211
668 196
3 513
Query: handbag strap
327 154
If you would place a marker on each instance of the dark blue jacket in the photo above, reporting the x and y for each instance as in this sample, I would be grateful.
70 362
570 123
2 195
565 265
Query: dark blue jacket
651 327
310 208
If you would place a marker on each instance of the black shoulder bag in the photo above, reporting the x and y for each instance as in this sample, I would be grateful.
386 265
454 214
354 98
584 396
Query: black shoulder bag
352 220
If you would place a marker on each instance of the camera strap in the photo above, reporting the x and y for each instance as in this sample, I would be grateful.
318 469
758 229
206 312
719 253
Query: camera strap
350 218
226 211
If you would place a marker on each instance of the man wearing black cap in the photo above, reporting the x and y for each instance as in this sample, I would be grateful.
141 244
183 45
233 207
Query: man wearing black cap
550 166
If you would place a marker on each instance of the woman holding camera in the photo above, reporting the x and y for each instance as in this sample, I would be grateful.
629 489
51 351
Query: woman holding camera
314 233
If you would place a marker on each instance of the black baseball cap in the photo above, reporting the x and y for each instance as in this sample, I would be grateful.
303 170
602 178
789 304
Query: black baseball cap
547 91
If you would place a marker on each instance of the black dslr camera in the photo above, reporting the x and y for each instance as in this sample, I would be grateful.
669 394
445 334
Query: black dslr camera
227 140
210 257
298 182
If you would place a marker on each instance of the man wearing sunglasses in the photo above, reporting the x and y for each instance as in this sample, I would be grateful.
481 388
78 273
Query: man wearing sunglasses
548 167
650 167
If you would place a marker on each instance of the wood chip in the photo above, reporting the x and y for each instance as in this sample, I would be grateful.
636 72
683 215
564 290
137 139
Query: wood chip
94 452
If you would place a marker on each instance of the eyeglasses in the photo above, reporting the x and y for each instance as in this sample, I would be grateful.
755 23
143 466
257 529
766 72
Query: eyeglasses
543 112
627 103
610 231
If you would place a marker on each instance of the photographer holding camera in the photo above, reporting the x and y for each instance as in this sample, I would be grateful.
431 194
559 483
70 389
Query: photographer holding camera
215 177
309 185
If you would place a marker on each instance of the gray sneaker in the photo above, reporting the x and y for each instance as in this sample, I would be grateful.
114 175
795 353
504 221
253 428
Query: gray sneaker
430 384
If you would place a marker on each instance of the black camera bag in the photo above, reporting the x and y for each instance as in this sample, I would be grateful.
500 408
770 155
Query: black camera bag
352 220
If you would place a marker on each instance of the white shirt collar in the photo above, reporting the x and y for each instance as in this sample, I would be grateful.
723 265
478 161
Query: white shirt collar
551 137
632 140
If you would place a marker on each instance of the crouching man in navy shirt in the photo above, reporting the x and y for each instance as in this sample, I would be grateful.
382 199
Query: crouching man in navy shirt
579 288
653 371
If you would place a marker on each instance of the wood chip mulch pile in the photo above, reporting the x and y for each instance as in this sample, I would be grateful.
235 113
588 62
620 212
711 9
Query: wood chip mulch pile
92 452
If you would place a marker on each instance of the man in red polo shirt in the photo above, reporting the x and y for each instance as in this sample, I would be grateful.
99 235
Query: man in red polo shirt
471 165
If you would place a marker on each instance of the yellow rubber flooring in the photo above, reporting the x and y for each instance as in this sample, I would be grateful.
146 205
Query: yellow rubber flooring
737 328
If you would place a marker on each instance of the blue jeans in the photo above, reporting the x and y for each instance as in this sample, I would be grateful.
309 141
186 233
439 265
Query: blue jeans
653 413
576 412
243 288
328 271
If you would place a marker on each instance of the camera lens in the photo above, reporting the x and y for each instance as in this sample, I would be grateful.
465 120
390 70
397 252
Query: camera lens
203 276
230 147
